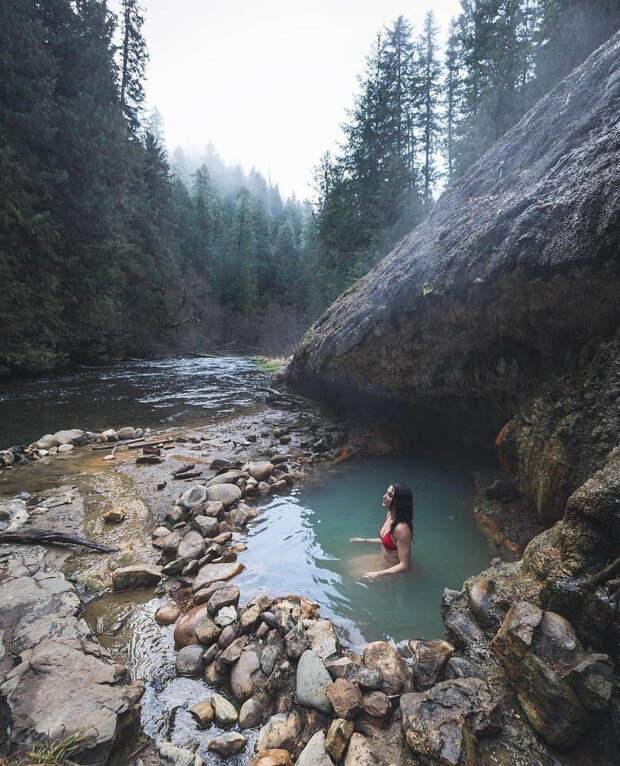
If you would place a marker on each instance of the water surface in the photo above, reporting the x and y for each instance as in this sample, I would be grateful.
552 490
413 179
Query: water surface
155 393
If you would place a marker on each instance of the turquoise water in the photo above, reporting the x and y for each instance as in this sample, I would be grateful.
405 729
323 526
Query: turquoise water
300 544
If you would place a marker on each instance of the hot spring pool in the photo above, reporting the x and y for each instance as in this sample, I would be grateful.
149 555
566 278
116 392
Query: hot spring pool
300 544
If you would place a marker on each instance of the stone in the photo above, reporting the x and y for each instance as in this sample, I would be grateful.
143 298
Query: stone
268 658
189 661
211 653
110 435
159 532
177 756
204 712
222 538
170 544
233 651
216 674
463 631
228 595
550 704
73 436
346 698
280 732
167 615
127 432
207 526
64 448
592 680
376 704
314 753
213 509
275 757
230 477
191 547
312 681
227 744
220 464
296 642
47 442
395 674
174 567
193 497
429 659
359 752
438 722
135 576
224 711
250 618
322 638
186 625
337 738
225 616
211 573
251 714
242 677
207 632
227 494
79 674
260 470
114 516
227 636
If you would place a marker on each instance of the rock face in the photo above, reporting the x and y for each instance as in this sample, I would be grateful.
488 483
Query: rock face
441 321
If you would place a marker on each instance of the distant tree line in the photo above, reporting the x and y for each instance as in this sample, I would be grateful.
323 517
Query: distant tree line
108 247
422 116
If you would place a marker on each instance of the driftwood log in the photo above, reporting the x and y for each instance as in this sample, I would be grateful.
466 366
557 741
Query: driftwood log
605 574
44 536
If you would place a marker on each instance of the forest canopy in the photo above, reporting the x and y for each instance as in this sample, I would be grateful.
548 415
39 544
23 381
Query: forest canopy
109 247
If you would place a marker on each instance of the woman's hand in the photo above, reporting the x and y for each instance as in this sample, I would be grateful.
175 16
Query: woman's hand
371 576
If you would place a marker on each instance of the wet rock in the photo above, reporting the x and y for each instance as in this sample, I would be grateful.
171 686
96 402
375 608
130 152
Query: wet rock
216 674
429 660
262 630
439 723
193 497
126 433
395 674
228 595
167 615
337 738
190 569
280 731
376 704
207 632
204 712
207 526
225 616
227 636
185 628
211 653
296 642
64 448
245 675
269 657
346 698
251 714
211 573
230 477
220 464
47 442
312 682
250 618
174 567
481 602
314 753
80 675
462 629
227 494
227 744
191 547
224 711
114 516
189 661
135 576
170 544
359 752
276 757
74 436
322 638
232 653
260 470
548 701
109 435
160 532
593 682
177 756
460 667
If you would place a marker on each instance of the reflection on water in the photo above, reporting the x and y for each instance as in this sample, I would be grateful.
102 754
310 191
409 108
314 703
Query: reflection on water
301 544
155 393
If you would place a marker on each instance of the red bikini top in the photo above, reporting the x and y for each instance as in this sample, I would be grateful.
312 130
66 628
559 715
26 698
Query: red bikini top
387 541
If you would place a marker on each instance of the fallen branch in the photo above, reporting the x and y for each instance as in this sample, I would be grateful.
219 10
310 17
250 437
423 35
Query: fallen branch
605 574
45 536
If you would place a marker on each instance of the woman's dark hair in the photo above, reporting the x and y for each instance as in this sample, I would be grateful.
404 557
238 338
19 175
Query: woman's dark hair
402 505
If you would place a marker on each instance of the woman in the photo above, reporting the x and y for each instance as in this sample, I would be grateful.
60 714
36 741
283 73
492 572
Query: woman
396 534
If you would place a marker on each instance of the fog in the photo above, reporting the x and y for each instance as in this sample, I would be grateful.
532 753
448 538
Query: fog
267 81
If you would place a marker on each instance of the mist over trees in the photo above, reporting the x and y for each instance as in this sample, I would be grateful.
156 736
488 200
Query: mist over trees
111 247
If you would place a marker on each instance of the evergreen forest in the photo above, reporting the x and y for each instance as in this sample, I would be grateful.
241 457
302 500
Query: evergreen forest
112 247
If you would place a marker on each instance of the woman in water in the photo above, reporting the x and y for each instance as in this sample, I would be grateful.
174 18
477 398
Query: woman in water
396 534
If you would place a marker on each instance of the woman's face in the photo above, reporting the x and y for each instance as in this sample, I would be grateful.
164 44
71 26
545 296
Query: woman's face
388 496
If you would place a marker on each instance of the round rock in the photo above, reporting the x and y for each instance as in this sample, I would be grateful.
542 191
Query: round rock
190 661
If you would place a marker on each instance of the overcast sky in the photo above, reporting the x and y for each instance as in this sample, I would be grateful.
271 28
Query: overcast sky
267 81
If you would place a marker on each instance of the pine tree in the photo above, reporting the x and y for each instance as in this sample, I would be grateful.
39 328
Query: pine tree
452 89
429 104
133 61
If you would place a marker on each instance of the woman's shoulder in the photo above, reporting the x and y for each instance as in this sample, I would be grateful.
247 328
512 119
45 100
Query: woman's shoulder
402 530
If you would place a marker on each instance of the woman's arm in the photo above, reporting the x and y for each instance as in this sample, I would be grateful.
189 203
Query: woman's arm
403 547
364 540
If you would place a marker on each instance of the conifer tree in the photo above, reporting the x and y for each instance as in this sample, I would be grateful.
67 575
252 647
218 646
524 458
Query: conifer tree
133 61
429 91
